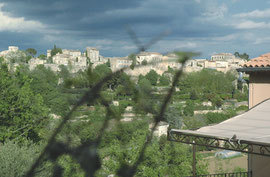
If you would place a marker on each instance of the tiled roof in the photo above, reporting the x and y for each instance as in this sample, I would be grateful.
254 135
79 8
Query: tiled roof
261 61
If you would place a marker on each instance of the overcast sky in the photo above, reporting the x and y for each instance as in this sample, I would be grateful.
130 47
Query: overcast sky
206 26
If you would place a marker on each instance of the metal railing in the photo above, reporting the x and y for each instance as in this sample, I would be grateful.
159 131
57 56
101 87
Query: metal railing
237 174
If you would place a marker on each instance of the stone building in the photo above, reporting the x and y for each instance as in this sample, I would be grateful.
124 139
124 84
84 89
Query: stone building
223 62
73 53
61 59
10 49
149 57
222 56
49 53
93 54
13 48
119 62
34 62
70 57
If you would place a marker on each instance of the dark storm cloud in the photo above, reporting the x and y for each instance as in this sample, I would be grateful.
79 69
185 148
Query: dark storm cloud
63 12
24 40
71 21
102 15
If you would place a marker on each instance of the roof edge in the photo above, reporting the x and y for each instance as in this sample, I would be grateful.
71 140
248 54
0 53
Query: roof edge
253 69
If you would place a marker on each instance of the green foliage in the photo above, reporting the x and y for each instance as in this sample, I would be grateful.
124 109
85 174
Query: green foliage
31 51
189 109
173 116
55 50
94 132
243 56
22 110
134 61
42 57
16 159
213 118
193 122
193 95
176 160
207 85
70 167
108 63
152 76
239 169
18 57
101 71
144 62
170 159
27 58
45 83
242 108
217 101
164 80
64 72
124 86
144 98
241 96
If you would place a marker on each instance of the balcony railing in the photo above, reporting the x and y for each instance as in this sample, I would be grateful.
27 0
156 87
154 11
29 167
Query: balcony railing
237 174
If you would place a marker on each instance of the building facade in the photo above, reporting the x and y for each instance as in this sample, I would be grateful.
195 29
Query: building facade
259 87
93 54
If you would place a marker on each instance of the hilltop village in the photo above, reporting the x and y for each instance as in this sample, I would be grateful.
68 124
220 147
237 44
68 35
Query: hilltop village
77 60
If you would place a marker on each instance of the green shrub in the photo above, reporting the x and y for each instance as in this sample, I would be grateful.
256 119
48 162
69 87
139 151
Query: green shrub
16 159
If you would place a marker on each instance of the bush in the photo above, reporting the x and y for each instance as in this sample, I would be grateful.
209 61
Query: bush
16 159
189 109
214 118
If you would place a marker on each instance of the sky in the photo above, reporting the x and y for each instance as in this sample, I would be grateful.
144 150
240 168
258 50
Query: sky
205 26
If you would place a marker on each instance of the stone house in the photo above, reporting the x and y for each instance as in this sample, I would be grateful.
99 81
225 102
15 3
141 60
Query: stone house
119 62
33 62
10 49
93 54
222 57
149 57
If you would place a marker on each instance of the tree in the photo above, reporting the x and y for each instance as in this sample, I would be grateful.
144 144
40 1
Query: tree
108 63
45 83
144 99
237 54
42 56
17 57
243 56
124 85
55 50
173 116
16 159
101 71
134 61
64 72
152 76
164 80
217 101
31 51
189 109
193 95
144 62
22 111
